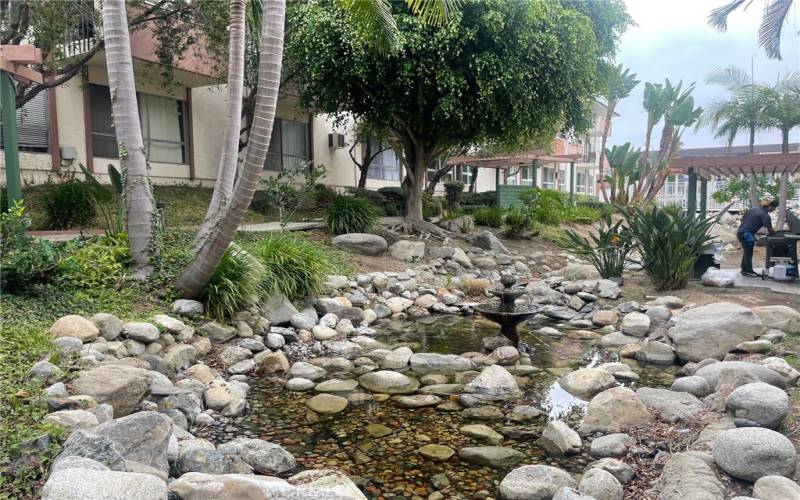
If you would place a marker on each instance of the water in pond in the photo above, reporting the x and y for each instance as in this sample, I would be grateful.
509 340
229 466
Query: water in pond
388 466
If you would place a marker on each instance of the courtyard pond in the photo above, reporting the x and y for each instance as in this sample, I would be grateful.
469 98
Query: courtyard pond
377 442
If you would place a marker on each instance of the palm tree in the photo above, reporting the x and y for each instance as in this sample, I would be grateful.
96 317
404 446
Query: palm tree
656 100
743 111
772 21
618 84
138 196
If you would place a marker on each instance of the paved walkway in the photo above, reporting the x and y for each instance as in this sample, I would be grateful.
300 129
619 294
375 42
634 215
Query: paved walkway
749 281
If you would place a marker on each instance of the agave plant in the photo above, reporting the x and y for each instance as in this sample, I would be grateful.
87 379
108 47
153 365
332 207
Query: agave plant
608 251
669 240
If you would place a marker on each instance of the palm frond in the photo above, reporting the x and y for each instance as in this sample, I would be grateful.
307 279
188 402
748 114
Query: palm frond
433 12
769 33
731 77
718 19
373 20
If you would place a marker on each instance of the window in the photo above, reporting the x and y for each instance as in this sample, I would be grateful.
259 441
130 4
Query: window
562 174
288 146
465 175
548 178
32 127
580 182
163 123
386 165
527 176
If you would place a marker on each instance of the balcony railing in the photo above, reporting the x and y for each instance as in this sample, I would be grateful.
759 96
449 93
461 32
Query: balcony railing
81 37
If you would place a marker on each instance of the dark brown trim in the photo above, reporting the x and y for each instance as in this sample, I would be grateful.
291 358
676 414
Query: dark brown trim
311 138
52 132
190 133
87 120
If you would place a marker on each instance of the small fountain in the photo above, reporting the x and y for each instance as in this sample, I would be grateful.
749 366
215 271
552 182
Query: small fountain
507 314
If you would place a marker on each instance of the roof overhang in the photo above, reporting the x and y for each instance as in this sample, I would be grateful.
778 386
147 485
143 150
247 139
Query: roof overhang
734 165
510 161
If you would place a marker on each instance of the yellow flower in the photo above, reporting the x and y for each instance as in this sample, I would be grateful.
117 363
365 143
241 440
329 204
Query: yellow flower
616 240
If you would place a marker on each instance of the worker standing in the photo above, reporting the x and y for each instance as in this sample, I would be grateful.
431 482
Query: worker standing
752 221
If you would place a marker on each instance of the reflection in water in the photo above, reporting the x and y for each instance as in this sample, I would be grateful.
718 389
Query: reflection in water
559 404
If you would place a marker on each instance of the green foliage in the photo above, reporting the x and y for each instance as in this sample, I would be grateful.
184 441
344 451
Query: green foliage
376 198
25 260
669 241
348 214
517 223
453 191
237 282
288 190
607 251
488 216
294 266
432 206
738 189
582 214
394 196
109 201
542 205
624 172
96 262
69 205
487 198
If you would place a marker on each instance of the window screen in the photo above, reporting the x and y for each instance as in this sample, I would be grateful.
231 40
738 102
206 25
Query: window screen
32 126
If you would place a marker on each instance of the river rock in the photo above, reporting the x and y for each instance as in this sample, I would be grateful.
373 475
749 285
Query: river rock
482 432
278 310
670 406
712 330
491 456
75 326
611 445
635 324
687 476
336 385
72 420
306 370
89 445
782 318
388 382
657 353
220 394
180 356
264 457
604 317
360 243
762 404
108 325
534 482
559 439
436 452
495 382
123 387
210 461
438 363
566 493
311 484
417 400
776 488
408 251
750 453
586 382
712 372
505 355
600 485
217 333
188 308
274 363
488 241
397 359
617 468
90 484
614 410
694 385
615 340
142 437
327 403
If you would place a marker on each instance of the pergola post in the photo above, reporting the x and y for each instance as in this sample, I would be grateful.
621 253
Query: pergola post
691 205
497 187
10 145
572 183
703 196
535 173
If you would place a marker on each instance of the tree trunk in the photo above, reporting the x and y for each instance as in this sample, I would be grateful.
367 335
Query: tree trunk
606 128
362 178
436 178
473 179
138 196
229 156
784 184
363 168
412 184
753 178
210 251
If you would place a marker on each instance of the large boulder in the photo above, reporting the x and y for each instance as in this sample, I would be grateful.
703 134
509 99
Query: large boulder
264 457
307 485
686 476
776 488
438 363
388 382
601 485
361 243
782 318
586 382
488 241
75 326
278 310
750 453
759 404
108 325
88 445
635 324
712 330
670 406
408 251
534 482
559 439
713 371
123 387
494 382
91 484
142 437
614 410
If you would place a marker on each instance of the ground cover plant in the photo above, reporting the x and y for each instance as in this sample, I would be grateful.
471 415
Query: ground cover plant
350 214
487 216
237 282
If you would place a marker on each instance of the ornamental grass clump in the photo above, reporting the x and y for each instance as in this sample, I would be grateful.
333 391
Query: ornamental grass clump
607 251
488 216
348 214
237 282
669 240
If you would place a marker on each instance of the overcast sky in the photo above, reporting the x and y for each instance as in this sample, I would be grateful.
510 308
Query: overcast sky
673 40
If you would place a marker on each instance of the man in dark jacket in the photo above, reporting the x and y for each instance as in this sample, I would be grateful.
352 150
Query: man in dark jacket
754 219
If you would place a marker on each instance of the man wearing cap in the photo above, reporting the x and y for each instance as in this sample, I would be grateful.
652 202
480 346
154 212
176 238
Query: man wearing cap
752 221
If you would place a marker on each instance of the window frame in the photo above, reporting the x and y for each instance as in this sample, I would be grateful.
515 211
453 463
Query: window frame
278 155
43 114
381 171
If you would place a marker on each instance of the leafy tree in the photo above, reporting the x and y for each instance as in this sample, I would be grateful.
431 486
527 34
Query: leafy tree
738 189
494 73
772 22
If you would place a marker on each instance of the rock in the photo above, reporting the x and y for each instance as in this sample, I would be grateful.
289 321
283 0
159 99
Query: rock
605 317
608 289
108 325
123 387
417 400
586 382
397 359
343 348
180 356
611 445
713 371
686 476
635 324
750 453
302 321
534 482
327 403
614 410
505 355
142 437
776 488
670 406
559 439
408 251
570 494
483 433
326 305
187 403
218 333
68 344
657 353
86 444
274 362
485 412
307 370
600 485
760 403
210 461
705 440
45 372
278 310
388 382
360 243
782 368
75 326
491 456
438 363
398 304
322 332
140 331
233 354
494 382
694 385
436 452
311 484
220 394
659 314
620 470
188 308
262 456
712 330
488 241
72 420
89 484
617 339
299 384
782 318
336 385
755 346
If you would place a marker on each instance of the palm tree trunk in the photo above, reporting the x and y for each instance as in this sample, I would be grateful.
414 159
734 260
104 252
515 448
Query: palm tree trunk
229 156
753 178
606 127
784 183
138 196
210 251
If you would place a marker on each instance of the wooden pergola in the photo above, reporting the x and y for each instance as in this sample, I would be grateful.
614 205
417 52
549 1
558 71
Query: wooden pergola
721 166
531 159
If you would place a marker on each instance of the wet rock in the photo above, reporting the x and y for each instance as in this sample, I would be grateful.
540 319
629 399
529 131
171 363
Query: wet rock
275 362
614 410
262 456
524 413
388 382
776 488
494 382
336 385
600 485
505 355
657 353
491 456
219 394
762 404
611 445
397 359
534 482
210 461
750 453
616 340
586 382
486 412
122 387
91 484
327 403
559 439
436 452
417 400
482 432
438 363
713 330
75 326
604 317
312 484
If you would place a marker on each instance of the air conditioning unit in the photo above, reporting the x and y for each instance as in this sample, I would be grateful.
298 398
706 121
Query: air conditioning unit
336 141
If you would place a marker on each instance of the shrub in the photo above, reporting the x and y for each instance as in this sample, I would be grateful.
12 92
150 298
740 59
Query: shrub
395 196
432 206
516 223
486 198
582 214
374 197
543 205
608 251
96 262
237 282
669 241
293 266
488 216
453 191
350 215
23 260
108 201
69 205
475 286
